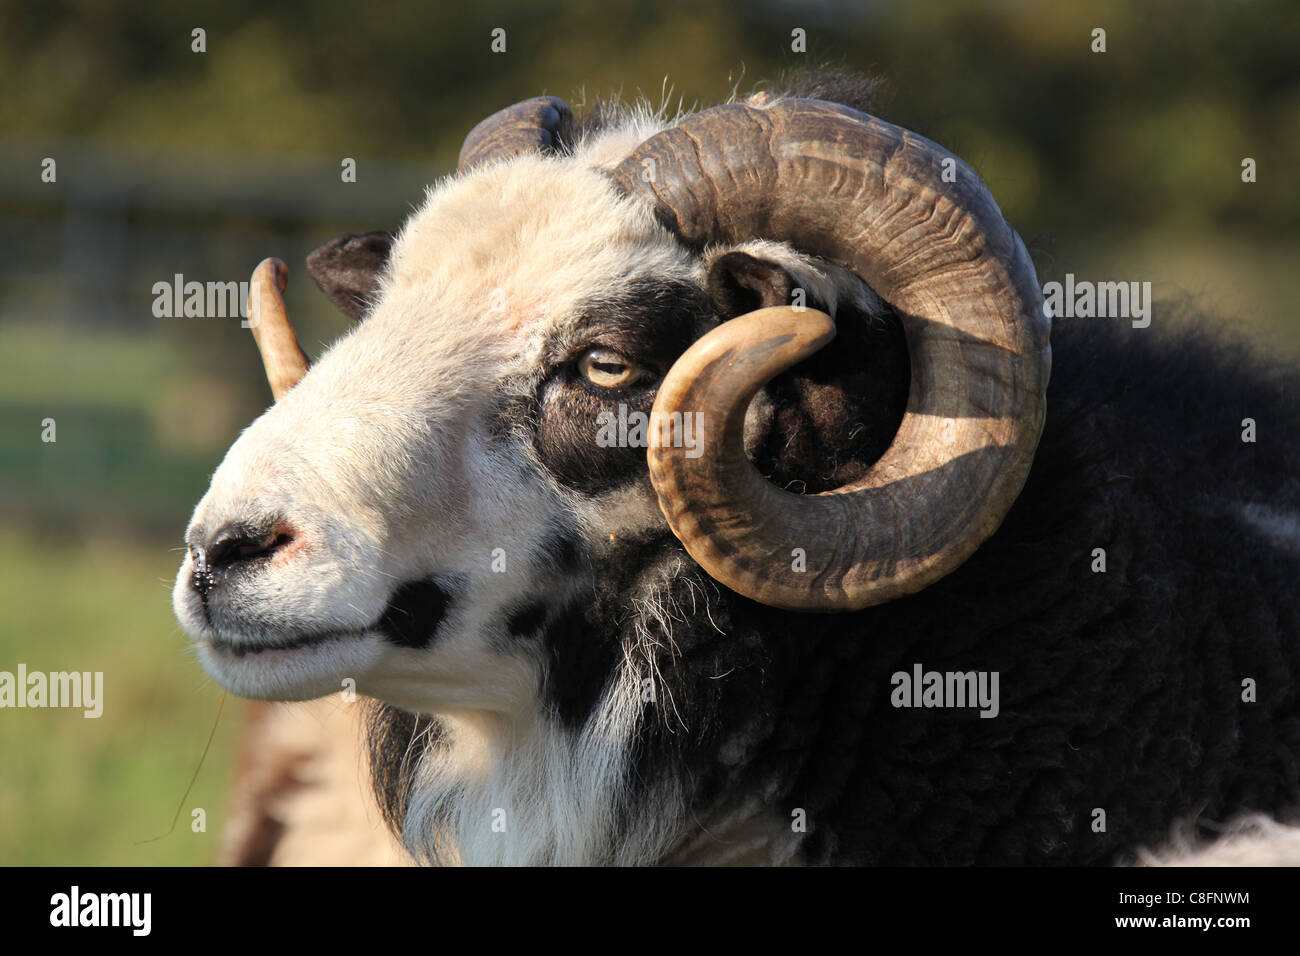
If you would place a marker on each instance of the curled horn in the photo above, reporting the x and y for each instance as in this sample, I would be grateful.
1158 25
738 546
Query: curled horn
871 197
282 357
542 124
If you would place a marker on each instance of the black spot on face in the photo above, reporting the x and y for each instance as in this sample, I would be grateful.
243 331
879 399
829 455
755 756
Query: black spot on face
526 619
582 655
413 613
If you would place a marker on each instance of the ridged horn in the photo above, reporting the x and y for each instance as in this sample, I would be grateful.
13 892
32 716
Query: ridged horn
541 124
873 198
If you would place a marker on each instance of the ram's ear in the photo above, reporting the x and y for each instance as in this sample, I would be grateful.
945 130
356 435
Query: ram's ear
348 268
740 283
823 423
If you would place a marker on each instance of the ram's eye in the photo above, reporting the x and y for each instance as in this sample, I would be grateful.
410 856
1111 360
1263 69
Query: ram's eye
609 369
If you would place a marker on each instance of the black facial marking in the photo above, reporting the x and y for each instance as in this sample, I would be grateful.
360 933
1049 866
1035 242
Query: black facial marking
414 613
581 657
651 323
526 619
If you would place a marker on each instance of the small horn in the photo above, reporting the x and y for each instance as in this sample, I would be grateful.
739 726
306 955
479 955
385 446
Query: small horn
283 358
543 124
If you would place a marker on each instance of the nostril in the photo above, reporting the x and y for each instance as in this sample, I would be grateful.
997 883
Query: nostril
236 543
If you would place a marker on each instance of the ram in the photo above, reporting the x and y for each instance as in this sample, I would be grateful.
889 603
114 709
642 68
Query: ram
592 636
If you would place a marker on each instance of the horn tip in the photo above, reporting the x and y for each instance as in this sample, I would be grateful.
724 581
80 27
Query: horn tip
274 270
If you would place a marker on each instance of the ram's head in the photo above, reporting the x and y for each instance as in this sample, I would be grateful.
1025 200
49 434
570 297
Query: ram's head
427 510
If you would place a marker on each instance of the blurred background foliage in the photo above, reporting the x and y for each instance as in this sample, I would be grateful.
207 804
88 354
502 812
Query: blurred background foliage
1123 165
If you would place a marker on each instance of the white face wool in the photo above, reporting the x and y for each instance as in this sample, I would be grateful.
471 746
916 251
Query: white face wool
380 459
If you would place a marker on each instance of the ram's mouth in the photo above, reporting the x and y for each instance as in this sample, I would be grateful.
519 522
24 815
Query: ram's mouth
307 666
412 619
244 648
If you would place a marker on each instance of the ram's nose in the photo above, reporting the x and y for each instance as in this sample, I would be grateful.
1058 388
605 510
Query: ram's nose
235 546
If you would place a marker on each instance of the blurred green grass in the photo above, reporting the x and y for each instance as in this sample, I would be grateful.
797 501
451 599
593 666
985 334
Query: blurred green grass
83 791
